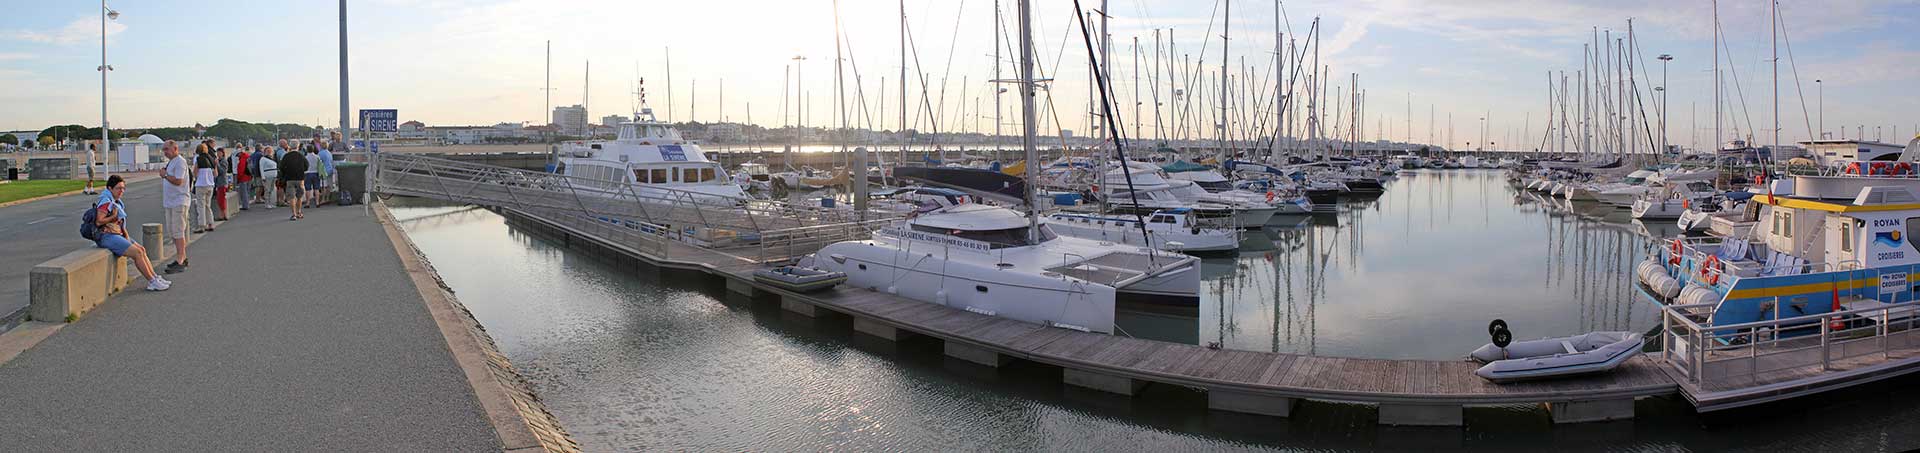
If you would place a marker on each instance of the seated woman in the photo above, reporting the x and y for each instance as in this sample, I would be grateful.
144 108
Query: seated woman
111 217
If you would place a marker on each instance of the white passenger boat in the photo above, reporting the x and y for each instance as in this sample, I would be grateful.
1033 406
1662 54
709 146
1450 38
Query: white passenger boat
651 159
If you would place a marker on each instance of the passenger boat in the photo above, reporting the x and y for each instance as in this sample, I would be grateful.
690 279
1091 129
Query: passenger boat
650 159
1814 251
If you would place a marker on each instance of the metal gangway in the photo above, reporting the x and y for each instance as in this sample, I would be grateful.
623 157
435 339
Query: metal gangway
650 219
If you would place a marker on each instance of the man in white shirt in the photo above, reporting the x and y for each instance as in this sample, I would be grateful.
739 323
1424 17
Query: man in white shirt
174 200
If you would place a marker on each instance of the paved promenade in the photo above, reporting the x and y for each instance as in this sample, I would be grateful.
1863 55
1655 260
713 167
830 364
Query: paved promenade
305 335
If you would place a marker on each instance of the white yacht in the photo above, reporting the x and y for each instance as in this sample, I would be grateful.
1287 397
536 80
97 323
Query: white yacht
1670 200
982 258
1172 229
652 160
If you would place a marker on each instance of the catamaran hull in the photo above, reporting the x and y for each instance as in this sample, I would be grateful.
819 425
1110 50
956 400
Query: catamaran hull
924 276
1181 282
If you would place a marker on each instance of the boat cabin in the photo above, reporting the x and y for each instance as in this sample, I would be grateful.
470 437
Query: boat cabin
1870 231
1834 153
972 225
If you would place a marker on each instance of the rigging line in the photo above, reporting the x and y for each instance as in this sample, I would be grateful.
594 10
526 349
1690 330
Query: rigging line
1739 93
1109 116
1797 87
945 74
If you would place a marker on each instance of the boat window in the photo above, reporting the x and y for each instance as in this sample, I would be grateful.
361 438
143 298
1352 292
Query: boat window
640 175
706 174
1786 225
659 175
1163 219
1846 236
689 175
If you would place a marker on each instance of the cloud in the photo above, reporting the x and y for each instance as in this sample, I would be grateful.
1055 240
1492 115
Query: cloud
15 56
82 30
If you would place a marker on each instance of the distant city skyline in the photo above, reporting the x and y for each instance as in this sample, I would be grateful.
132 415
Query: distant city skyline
444 63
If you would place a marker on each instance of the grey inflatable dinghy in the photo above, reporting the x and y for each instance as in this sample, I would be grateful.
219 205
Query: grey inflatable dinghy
799 279
1595 352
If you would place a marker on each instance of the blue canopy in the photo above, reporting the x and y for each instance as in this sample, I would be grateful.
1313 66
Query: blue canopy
1180 166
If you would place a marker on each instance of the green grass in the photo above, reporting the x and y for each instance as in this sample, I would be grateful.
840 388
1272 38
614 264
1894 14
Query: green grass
21 190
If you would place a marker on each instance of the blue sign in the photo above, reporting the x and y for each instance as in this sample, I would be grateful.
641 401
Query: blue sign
673 152
380 120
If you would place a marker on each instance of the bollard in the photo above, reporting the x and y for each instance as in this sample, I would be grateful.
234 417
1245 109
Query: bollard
154 241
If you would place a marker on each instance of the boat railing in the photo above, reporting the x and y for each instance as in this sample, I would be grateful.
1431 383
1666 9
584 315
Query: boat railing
1747 354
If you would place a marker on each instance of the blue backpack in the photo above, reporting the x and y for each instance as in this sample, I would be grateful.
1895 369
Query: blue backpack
88 224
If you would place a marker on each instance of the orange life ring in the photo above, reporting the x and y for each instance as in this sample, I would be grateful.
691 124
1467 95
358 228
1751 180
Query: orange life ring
1903 168
1708 270
1674 258
1853 168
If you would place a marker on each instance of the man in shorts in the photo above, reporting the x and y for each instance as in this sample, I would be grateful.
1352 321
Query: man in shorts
293 171
174 199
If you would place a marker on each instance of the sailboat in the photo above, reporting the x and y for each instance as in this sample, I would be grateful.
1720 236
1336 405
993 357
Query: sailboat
996 261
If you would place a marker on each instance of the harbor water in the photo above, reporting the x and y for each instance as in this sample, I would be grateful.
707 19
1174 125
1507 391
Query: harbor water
643 359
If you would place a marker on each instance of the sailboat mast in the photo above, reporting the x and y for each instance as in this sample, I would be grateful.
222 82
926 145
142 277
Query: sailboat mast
1776 70
996 79
1027 116
1226 22
1716 76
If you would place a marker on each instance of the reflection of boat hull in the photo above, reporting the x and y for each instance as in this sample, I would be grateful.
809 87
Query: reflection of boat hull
1324 200
1365 186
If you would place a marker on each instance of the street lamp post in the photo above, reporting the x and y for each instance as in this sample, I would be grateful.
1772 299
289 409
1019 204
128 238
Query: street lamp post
106 132
1822 88
1664 58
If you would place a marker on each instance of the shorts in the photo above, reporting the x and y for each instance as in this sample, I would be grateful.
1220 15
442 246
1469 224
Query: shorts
176 222
294 190
313 181
116 243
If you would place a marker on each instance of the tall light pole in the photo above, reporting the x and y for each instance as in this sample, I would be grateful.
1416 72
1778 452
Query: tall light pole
345 126
1822 88
1664 58
106 132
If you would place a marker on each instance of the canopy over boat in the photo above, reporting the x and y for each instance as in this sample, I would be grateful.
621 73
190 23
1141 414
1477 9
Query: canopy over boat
981 183
1181 166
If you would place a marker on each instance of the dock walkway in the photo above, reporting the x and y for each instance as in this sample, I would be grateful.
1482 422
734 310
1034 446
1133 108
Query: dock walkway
1408 392
305 335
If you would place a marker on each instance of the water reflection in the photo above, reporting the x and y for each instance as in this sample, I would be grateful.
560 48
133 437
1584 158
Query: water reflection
1418 271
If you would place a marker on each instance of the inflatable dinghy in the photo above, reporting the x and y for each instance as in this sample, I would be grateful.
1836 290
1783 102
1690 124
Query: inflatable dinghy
1596 352
799 279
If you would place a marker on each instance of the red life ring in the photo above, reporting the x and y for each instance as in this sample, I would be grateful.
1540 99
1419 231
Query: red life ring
1674 257
1708 270
1853 168
1902 168
1877 168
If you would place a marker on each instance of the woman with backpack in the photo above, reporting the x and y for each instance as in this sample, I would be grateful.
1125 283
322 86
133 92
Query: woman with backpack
106 226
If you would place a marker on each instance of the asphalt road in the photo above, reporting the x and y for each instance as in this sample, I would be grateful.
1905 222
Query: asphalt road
42 230
283 335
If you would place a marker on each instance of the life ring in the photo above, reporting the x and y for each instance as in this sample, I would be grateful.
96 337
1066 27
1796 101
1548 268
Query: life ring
1269 196
1674 257
1902 168
1853 168
1708 270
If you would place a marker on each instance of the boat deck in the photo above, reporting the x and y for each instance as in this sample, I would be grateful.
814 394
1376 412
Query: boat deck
1788 376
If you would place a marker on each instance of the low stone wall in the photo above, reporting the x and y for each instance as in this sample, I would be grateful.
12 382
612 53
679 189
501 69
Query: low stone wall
50 167
64 288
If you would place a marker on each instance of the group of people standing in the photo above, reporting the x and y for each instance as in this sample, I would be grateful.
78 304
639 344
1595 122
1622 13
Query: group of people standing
194 194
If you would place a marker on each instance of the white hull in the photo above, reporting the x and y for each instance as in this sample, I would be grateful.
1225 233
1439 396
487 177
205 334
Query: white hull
1662 209
972 285
1165 236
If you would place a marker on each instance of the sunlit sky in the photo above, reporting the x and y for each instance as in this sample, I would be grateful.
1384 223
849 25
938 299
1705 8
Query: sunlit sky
445 62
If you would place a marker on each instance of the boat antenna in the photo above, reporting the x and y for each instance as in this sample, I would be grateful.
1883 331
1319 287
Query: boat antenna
1113 131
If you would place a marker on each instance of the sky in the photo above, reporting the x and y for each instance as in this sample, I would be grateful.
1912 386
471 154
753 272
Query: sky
480 62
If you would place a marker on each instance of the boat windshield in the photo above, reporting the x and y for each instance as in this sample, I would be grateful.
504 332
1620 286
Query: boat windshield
998 239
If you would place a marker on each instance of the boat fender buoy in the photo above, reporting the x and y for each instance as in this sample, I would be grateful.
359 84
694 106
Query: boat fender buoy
1501 336
1496 326
1708 270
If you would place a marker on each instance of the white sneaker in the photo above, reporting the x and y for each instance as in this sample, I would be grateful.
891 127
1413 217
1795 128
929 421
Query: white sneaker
158 284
